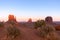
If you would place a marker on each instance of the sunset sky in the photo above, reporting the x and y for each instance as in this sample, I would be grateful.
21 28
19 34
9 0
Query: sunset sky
35 9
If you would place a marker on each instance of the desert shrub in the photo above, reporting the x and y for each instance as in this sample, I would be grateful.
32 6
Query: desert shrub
48 32
44 30
39 23
12 32
12 22
1 24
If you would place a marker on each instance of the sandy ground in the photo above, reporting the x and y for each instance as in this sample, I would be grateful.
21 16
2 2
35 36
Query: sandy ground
26 34
29 34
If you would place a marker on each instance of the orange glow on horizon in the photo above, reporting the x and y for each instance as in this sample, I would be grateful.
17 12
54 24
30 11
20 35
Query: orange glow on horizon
27 18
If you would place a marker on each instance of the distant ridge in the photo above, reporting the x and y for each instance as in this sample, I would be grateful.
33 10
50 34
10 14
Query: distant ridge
57 22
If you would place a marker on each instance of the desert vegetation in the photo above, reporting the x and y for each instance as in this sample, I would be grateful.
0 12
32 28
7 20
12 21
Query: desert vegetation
46 31
12 32
39 23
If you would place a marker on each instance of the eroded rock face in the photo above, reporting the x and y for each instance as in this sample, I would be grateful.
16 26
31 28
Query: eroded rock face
11 18
30 20
49 20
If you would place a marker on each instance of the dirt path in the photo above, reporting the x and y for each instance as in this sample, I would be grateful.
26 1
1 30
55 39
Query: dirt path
29 34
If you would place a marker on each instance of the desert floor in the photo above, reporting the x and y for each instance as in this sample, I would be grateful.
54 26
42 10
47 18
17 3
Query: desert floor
26 34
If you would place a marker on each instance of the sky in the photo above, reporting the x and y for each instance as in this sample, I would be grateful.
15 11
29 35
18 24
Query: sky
25 9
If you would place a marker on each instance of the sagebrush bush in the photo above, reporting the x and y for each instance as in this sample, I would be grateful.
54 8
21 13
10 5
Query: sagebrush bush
39 23
12 22
47 29
12 32
48 32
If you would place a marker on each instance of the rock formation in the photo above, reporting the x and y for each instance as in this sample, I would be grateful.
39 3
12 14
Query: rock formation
49 20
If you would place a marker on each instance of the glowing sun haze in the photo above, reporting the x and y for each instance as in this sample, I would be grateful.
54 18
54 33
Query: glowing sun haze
25 9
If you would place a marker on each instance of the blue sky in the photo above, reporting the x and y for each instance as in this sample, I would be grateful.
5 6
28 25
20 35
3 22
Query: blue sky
30 8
